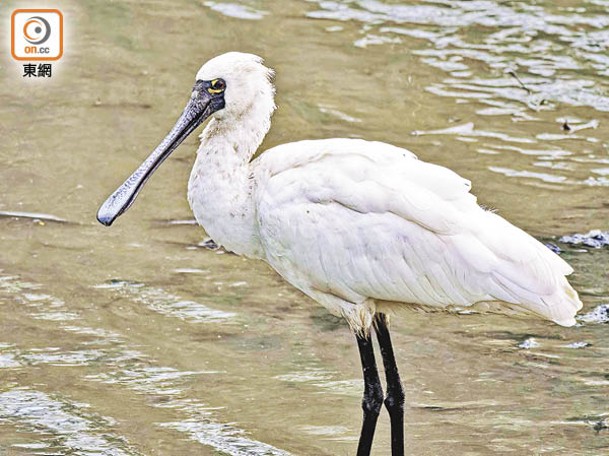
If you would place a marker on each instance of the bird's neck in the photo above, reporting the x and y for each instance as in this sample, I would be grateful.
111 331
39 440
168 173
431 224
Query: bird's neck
221 186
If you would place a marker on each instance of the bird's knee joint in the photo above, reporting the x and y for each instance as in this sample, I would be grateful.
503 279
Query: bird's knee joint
372 401
395 400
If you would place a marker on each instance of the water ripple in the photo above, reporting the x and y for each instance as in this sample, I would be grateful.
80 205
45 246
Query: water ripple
505 59
123 366
76 429
549 47
166 303
236 10
163 384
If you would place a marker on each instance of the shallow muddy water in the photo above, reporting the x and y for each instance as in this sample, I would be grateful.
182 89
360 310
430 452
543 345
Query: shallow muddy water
138 340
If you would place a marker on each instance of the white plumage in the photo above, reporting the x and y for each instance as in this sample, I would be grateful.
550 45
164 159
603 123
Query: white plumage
360 226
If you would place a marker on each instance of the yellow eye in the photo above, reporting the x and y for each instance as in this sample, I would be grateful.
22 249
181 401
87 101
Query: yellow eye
216 86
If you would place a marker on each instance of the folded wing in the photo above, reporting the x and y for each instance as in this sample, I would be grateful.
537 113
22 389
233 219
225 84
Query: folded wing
362 220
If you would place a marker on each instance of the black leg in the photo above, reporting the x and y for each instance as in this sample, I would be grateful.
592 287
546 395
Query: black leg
395 393
373 394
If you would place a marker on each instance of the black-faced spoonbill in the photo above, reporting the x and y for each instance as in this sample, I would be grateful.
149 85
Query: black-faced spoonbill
363 228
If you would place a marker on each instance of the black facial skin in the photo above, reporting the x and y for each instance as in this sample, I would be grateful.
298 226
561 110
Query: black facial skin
207 97
215 88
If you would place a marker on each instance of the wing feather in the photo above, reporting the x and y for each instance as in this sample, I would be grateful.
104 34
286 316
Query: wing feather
366 220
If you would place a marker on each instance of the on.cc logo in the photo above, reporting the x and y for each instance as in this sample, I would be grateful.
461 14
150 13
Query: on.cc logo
37 34
36 30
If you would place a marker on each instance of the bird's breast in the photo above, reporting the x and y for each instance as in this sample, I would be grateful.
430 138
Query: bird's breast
222 204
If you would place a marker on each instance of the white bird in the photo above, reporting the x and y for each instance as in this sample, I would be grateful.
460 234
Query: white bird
363 228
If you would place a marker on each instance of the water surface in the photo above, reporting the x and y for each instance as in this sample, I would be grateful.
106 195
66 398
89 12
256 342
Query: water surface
138 340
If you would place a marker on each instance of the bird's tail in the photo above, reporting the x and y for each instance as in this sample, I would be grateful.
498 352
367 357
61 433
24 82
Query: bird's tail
563 305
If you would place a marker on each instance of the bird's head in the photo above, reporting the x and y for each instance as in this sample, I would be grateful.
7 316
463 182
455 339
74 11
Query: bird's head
238 81
227 87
